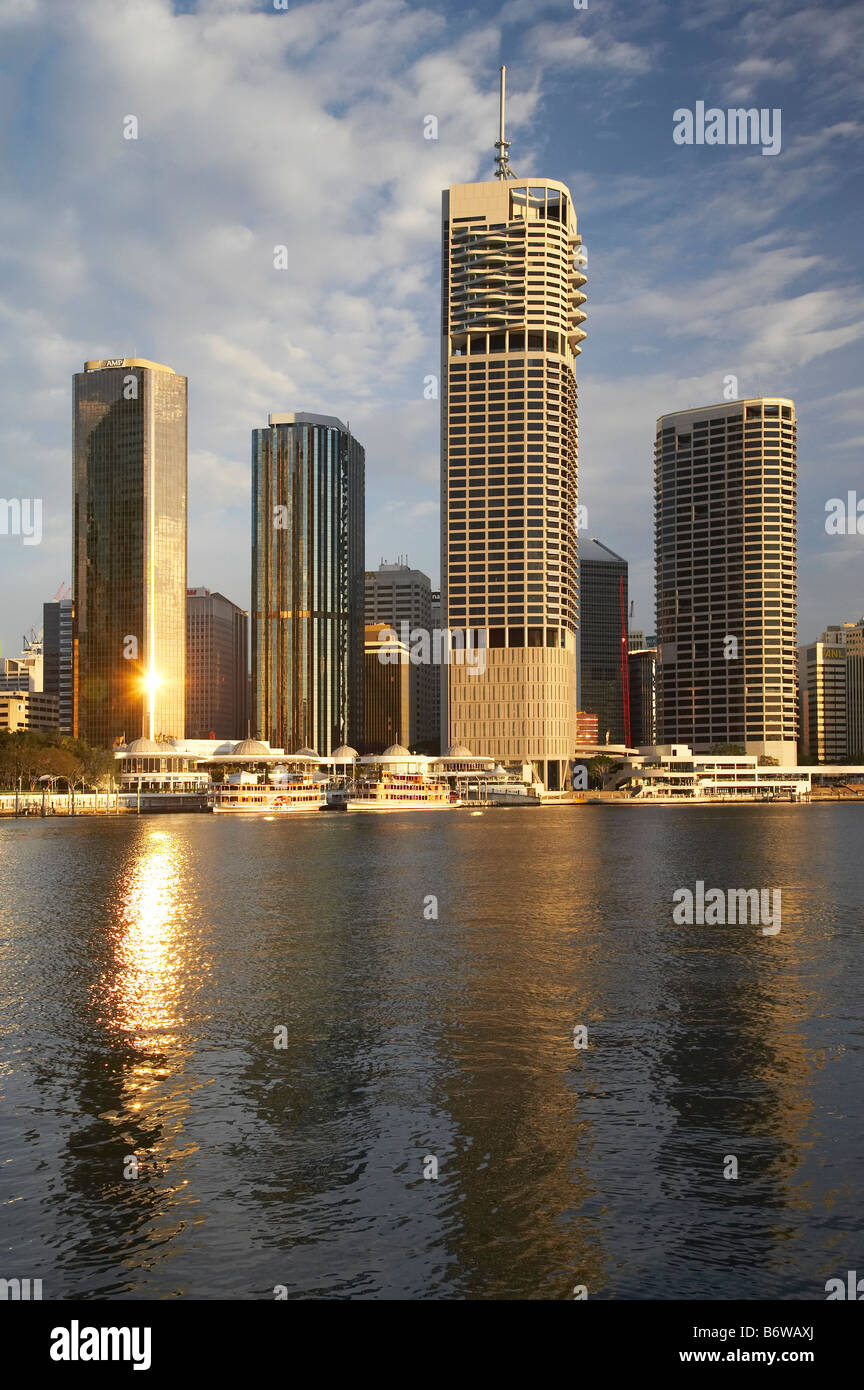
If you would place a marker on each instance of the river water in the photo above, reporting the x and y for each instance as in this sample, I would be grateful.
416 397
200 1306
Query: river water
271 1021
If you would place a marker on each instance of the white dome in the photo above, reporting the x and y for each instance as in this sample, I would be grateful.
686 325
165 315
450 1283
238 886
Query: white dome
250 748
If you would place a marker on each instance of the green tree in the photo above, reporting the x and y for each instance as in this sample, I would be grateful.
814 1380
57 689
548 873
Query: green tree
597 769
30 754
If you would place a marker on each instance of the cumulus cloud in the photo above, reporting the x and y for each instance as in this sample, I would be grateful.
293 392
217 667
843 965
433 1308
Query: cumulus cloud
304 128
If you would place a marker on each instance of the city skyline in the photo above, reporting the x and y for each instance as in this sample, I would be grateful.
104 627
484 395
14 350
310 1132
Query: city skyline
480 926
191 281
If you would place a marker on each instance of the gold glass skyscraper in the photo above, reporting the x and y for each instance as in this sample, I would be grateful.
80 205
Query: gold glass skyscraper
130 549
511 316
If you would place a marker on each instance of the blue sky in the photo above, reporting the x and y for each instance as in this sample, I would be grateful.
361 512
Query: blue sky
304 127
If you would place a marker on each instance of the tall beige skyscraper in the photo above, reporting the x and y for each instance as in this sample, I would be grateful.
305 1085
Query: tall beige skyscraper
726 579
511 316
130 550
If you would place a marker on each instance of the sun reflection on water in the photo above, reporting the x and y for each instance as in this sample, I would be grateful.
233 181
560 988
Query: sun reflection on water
150 945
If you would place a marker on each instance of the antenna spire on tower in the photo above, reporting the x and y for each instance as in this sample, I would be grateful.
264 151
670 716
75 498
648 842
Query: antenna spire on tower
502 158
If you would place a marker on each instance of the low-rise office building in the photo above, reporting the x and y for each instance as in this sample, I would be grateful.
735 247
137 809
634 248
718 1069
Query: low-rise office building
21 710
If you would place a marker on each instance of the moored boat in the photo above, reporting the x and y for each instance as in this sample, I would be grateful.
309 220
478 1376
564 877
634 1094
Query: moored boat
256 799
394 791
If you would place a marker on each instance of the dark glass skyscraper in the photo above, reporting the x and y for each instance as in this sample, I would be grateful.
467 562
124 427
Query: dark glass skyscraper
308 569
130 550
601 572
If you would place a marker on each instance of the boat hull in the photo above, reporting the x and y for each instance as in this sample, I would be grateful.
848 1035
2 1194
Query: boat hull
269 810
402 806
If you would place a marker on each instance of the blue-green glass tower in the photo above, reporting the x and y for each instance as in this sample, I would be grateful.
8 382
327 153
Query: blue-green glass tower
308 569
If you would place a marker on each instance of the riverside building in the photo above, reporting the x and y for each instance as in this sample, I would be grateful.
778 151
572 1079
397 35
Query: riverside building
130 550
602 600
831 691
60 661
642 694
308 518
397 594
217 645
725 552
511 332
389 711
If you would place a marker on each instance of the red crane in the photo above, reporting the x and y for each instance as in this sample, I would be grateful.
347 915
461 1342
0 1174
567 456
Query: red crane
625 667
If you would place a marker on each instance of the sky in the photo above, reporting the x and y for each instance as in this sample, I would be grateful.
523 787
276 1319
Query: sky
259 127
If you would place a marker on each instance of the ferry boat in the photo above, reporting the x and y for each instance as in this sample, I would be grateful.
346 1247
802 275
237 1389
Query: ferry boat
401 791
255 799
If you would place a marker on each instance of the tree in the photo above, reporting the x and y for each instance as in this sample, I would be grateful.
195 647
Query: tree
597 769
28 755
765 761
59 762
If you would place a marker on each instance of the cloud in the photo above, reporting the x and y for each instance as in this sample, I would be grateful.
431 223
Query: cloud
304 128
560 46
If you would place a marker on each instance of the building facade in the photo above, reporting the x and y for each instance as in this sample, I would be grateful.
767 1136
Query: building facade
642 665
387 705
726 588
27 671
511 332
27 709
60 652
831 694
601 686
439 675
217 666
855 691
587 728
130 550
308 566
398 595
